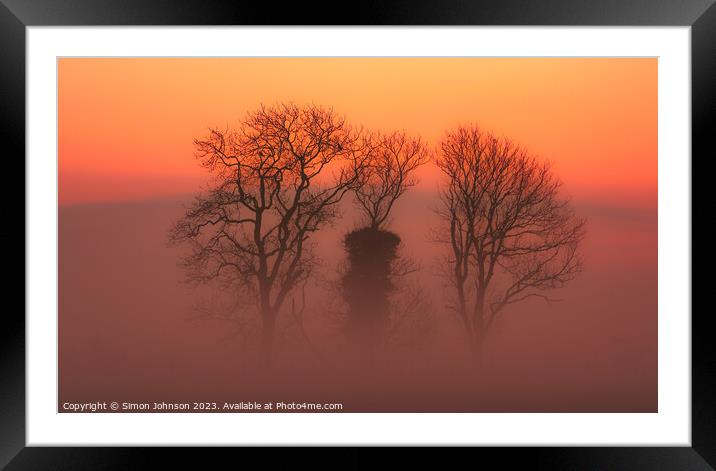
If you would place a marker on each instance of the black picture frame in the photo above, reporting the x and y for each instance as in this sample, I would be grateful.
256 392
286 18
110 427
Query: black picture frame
16 15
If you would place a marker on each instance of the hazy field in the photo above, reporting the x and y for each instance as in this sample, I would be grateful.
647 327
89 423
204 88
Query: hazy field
128 327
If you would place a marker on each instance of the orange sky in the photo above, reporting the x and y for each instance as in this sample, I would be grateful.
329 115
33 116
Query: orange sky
126 125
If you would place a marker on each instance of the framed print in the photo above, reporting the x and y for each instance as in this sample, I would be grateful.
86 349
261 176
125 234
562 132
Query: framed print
443 225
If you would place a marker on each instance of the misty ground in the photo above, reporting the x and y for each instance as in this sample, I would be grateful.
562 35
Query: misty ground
130 330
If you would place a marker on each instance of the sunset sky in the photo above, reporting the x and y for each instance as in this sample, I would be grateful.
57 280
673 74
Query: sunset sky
126 125
128 323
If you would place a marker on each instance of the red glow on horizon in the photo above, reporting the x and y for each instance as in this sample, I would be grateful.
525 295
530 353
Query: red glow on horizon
126 125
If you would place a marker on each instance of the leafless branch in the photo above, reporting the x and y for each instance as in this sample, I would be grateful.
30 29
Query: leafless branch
279 178
389 173
503 217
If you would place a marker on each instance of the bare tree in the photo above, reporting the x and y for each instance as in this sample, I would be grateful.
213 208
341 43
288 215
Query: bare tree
279 178
389 174
373 251
511 236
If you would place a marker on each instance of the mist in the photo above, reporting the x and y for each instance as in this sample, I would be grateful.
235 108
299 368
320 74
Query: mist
131 329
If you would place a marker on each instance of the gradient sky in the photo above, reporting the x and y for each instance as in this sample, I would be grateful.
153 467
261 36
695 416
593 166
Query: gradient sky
126 125
125 138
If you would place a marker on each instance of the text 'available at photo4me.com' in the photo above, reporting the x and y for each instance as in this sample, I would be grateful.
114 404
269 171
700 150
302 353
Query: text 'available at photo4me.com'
242 406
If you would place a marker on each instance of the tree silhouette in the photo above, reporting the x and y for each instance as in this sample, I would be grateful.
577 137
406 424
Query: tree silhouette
510 235
373 250
279 177
389 174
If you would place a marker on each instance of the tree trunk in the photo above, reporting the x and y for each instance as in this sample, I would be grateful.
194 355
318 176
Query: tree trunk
478 328
478 341
267 337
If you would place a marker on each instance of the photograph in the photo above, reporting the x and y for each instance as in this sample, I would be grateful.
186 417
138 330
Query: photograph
357 234
471 225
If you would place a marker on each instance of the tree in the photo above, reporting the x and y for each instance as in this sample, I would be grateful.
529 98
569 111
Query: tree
279 177
389 174
372 250
511 236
